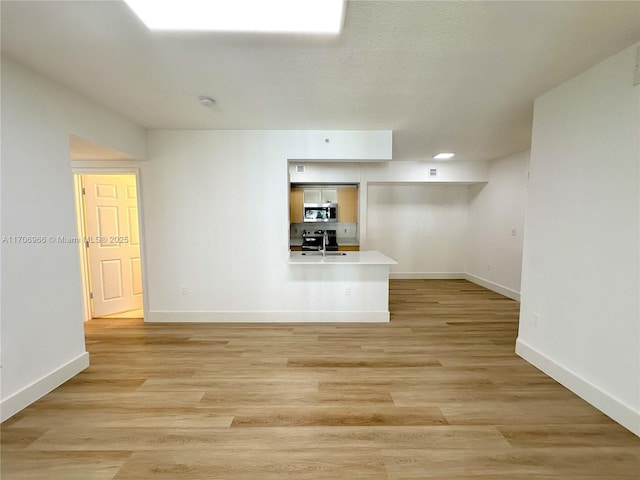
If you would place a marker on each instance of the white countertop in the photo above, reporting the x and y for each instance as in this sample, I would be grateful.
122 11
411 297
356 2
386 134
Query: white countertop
369 257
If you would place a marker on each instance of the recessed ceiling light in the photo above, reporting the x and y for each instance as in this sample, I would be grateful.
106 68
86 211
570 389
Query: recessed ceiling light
443 156
275 16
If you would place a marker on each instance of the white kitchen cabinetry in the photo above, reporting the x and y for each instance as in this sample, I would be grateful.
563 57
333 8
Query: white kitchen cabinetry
329 195
312 195
320 195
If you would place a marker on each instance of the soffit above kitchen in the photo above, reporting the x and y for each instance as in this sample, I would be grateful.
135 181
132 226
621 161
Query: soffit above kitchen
444 76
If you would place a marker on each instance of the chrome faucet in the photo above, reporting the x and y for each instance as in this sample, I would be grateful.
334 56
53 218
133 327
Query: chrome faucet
324 244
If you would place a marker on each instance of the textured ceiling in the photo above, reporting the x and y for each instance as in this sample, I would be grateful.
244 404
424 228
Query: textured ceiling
444 76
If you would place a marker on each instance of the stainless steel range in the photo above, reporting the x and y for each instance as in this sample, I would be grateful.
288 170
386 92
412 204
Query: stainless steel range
315 240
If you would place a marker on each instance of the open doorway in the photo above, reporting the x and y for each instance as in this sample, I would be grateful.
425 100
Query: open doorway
108 225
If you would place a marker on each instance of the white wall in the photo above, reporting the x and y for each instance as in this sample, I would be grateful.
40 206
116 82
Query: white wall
493 249
580 280
410 172
325 172
389 172
422 227
216 220
42 331
341 145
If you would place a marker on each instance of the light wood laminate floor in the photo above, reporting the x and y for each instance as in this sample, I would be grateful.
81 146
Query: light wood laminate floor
437 393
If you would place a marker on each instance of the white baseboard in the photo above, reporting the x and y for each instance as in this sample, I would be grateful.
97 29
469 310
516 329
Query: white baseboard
507 292
426 276
38 389
266 317
610 406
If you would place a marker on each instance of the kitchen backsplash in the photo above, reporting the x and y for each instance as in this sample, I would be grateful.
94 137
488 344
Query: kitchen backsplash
343 230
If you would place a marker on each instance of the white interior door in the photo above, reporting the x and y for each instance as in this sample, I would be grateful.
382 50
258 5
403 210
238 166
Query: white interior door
111 211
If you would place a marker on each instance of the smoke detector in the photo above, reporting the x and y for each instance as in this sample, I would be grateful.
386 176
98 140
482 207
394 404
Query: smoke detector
207 101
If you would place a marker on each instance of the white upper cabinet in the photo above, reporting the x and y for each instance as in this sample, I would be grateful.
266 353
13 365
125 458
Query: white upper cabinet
329 195
312 195
320 195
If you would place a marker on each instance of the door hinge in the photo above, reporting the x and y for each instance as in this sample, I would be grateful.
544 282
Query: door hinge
84 192
91 295
86 243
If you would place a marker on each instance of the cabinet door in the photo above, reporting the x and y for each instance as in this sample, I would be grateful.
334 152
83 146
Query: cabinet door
329 195
295 205
348 205
312 195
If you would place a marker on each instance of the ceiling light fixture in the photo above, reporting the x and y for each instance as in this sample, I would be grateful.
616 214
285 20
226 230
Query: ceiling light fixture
207 101
272 16
443 156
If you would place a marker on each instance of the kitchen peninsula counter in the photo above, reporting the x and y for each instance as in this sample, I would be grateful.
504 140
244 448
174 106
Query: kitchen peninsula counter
353 287
368 257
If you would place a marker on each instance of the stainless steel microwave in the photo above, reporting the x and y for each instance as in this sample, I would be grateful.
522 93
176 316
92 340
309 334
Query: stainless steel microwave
320 212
